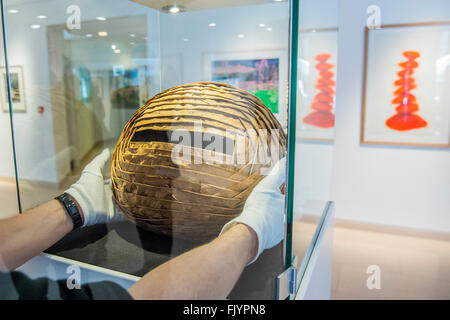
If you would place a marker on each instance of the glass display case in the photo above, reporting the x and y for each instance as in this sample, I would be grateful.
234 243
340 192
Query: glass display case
79 70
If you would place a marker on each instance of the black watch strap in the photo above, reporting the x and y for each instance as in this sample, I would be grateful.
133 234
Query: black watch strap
72 209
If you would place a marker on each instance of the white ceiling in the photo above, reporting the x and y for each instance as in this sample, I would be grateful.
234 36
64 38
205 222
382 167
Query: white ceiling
9 3
194 5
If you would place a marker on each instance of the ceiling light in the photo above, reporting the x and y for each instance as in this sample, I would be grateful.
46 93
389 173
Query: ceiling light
145 38
173 9
212 24
35 26
101 18
132 43
117 51
132 35
13 11
262 25
241 35
269 29
41 17
113 46
277 0
102 33
313 30
89 35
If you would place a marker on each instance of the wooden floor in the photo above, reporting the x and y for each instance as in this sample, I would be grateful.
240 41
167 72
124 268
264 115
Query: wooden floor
411 267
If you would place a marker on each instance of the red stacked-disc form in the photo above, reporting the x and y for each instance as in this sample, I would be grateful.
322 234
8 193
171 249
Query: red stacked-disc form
321 115
406 102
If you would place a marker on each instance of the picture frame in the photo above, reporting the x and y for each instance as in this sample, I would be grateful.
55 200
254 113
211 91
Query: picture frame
405 100
316 82
272 92
17 89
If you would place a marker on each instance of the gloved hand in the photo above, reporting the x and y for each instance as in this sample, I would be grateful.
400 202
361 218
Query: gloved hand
94 195
264 209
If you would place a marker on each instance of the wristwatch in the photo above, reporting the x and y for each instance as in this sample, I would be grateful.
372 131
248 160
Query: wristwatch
72 209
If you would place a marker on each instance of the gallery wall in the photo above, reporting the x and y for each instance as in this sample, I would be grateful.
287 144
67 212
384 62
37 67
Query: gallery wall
7 185
389 185
314 159
33 131
6 155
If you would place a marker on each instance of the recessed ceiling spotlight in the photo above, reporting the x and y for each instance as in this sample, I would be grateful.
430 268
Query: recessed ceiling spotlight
113 47
145 38
117 51
132 43
101 18
132 35
173 9
89 35
269 29
41 17
278 0
185 39
35 26
262 25
212 24
241 36
102 33
313 30
13 11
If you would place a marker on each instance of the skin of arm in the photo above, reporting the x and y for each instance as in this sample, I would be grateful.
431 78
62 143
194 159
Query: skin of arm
207 272
26 235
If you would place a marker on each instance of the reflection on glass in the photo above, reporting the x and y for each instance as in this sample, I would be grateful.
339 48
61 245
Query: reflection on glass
8 191
316 90
82 69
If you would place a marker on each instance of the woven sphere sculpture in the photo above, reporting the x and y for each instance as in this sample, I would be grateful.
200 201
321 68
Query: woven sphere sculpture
191 199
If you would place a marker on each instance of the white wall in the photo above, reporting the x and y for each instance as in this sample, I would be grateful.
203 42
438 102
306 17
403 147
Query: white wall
33 131
314 160
8 193
6 154
401 186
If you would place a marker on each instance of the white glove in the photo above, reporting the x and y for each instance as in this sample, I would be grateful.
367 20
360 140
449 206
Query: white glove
264 209
93 194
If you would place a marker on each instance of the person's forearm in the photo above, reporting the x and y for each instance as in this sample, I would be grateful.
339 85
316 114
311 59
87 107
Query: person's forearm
26 235
207 272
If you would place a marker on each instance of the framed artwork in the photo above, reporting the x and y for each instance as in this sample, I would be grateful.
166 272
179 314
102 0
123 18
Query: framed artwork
263 74
406 98
317 65
17 89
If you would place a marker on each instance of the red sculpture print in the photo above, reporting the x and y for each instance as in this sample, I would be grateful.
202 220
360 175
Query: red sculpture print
321 115
406 102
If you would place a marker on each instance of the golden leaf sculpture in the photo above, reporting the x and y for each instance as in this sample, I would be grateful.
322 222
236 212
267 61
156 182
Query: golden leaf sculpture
185 188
